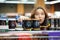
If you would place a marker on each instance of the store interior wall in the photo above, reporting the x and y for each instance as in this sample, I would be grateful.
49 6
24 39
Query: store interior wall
8 8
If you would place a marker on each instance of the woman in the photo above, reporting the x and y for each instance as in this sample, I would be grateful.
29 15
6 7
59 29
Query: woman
40 13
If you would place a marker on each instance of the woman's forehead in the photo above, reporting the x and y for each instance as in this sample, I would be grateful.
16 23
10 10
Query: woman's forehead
39 11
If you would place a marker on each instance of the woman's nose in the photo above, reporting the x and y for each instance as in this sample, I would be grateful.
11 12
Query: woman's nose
39 16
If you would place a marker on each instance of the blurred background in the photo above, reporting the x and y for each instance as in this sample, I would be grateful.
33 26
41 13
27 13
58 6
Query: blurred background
24 7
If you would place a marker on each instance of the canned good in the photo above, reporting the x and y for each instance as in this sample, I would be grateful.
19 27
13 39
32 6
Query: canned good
51 23
12 24
59 22
27 23
2 22
55 22
35 23
31 23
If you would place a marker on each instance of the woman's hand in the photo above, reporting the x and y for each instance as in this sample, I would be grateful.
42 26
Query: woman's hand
23 18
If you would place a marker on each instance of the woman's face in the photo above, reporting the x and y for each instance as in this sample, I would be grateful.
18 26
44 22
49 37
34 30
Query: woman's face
40 15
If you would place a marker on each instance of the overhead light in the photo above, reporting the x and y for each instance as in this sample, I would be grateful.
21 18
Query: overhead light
45 0
2 1
52 2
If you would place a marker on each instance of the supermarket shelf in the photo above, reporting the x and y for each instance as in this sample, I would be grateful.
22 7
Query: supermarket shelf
34 37
25 32
52 2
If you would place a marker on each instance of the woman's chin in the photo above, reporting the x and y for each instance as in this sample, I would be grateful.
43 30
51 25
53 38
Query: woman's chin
41 22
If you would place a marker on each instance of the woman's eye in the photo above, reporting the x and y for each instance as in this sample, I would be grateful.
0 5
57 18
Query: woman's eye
36 14
42 13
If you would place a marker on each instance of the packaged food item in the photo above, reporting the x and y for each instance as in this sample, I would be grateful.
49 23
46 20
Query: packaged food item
31 24
27 23
51 23
25 36
3 24
12 24
59 22
12 17
35 23
19 26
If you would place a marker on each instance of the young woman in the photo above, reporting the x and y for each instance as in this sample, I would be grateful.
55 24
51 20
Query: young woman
41 14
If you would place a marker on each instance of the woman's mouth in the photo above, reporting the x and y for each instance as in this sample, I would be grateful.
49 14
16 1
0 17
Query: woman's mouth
41 21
